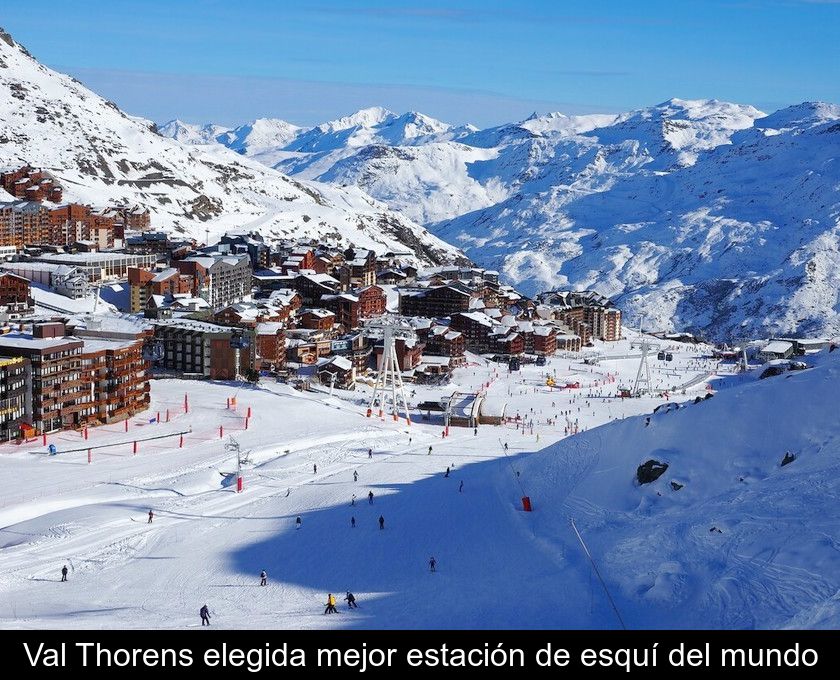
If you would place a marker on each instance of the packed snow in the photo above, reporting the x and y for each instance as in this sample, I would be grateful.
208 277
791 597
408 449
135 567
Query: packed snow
745 543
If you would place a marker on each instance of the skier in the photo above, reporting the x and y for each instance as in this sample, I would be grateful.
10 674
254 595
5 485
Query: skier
355 476
447 472
351 601
64 573
381 522
151 517
204 612
314 469
432 564
370 497
430 449
461 487
352 522
330 605
353 500
297 522
506 447
370 453
263 578
475 432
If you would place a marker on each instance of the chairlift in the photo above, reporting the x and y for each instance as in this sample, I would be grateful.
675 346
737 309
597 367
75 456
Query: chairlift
153 351
240 341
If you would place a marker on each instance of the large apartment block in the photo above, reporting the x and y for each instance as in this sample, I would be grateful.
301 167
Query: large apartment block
228 277
15 396
76 382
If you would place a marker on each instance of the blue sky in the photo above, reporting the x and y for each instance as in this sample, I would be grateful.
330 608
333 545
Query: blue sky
484 62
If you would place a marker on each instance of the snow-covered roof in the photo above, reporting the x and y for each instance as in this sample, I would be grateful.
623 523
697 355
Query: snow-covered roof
192 325
777 347
338 361
320 313
164 275
18 340
100 344
269 327
323 279
479 317
432 360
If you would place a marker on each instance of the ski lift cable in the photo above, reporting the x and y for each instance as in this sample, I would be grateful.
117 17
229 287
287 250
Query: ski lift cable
513 470
597 573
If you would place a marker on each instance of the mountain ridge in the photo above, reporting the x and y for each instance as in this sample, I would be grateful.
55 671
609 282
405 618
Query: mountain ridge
702 215
101 156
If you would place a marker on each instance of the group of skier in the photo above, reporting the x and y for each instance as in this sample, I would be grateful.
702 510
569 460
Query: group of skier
350 599
204 612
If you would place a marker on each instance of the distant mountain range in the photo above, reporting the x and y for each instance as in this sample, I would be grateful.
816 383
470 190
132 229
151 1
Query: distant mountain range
700 215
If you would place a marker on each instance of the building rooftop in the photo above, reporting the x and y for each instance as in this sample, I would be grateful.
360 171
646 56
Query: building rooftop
19 340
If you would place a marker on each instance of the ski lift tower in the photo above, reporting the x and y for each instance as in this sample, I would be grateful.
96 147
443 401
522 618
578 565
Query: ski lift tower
643 382
389 383
239 340
233 445
741 344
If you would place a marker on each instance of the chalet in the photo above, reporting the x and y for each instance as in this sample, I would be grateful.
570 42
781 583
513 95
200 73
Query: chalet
510 344
169 306
351 307
248 243
286 298
544 340
355 347
359 269
145 283
301 259
272 278
312 286
476 327
777 349
15 295
601 318
31 184
250 313
442 341
336 371
436 302
316 319
271 345
394 277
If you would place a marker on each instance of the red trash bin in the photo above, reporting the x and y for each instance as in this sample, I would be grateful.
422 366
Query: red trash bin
526 503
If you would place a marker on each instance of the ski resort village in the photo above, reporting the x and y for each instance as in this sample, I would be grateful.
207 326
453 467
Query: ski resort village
384 373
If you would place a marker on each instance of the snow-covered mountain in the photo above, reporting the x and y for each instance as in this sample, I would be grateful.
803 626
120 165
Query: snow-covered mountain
102 156
702 215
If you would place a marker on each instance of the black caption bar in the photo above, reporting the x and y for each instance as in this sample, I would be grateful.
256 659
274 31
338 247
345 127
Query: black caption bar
299 653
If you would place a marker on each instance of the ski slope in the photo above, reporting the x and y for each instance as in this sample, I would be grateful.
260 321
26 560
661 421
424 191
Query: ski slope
497 567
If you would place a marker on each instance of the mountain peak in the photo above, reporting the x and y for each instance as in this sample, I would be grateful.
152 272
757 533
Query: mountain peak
369 117
804 115
7 38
